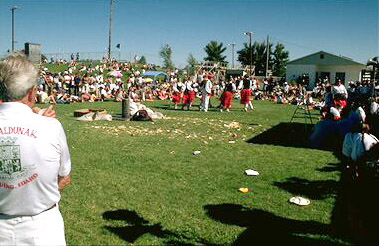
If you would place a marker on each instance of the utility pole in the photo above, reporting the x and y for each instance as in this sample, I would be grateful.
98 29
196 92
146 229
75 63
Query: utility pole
110 30
251 51
13 9
267 54
233 45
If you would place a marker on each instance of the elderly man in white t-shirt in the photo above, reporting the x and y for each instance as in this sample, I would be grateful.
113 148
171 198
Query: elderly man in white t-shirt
34 161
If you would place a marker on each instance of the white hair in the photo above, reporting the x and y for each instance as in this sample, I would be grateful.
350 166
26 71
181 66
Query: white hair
18 75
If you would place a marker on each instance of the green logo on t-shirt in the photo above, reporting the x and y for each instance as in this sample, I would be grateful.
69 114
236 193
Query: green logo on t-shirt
10 162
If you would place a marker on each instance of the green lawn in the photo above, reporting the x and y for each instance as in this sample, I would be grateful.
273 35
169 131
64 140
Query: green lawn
139 182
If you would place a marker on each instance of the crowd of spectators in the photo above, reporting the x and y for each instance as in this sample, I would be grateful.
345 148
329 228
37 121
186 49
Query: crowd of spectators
118 80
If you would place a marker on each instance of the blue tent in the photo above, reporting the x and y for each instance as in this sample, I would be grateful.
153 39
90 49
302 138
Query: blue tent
154 74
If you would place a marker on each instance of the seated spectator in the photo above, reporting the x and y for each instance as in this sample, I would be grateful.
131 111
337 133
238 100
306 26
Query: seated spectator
105 93
358 141
162 95
336 112
119 95
42 96
374 108
309 100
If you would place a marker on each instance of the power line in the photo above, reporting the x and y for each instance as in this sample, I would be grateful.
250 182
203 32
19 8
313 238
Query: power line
183 1
295 44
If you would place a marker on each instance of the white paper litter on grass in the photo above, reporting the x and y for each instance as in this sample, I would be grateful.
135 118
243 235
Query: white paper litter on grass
196 152
301 201
251 172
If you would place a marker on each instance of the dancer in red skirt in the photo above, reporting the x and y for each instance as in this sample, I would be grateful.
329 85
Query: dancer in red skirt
227 96
246 86
188 95
177 93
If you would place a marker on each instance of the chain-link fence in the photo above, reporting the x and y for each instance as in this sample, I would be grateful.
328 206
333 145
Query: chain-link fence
84 56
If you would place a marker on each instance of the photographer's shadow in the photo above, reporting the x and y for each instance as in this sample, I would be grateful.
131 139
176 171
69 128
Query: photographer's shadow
137 227
264 228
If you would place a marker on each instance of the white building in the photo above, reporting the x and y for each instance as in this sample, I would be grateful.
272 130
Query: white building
322 65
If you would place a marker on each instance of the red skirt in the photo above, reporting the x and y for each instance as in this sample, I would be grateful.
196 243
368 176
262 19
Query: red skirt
227 99
186 99
343 103
176 97
192 95
245 96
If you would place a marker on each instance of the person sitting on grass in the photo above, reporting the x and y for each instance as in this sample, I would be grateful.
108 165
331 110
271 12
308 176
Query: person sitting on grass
119 95
162 94
358 141
52 97
62 97
279 98
42 96
105 93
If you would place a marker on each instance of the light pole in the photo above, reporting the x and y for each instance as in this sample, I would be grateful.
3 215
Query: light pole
110 31
233 45
250 34
13 9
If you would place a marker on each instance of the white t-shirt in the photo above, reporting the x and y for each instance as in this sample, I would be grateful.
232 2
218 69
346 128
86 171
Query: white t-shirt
340 89
374 109
33 152
361 113
354 147
208 87
67 79
335 112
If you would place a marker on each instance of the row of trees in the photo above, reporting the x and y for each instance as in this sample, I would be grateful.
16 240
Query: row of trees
256 55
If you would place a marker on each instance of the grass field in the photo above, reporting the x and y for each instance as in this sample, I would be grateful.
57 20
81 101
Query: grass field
139 182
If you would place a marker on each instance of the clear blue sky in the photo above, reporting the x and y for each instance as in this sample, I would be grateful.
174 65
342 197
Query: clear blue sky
342 27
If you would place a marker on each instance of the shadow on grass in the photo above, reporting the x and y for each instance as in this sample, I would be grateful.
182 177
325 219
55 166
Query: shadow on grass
194 108
285 134
315 189
354 218
331 167
264 228
136 227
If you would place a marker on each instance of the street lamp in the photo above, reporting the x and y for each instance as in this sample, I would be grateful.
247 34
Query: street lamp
250 34
13 9
233 45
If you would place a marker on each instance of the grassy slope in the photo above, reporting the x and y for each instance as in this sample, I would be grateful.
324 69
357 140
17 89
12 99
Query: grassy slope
149 168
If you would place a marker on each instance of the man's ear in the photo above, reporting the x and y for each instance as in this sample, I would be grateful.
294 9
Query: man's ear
30 98
32 94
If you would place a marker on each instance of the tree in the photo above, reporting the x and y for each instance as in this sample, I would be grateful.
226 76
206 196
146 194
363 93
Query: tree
142 60
165 53
277 60
280 59
214 52
192 62
258 56
244 54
